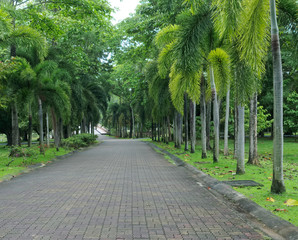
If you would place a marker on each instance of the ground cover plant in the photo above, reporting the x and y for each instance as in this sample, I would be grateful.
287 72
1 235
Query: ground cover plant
225 170
14 160
25 157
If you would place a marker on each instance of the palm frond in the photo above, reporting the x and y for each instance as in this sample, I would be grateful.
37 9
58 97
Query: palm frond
46 68
225 16
221 63
28 37
254 33
193 30
166 35
177 88
5 23
165 59
194 5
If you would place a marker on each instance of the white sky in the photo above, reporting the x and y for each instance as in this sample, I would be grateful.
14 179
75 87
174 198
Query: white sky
125 7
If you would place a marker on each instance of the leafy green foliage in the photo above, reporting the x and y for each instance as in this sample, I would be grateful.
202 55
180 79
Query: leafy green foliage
291 113
79 141
17 151
264 120
226 17
221 64
254 33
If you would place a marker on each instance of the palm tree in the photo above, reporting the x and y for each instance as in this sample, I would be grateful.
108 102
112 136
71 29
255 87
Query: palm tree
220 76
203 118
16 73
277 182
15 37
244 25
51 89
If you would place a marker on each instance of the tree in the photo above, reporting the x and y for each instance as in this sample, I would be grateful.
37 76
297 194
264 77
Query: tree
277 181
15 37
15 73
220 73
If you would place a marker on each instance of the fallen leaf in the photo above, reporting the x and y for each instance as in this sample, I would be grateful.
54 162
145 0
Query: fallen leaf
280 210
270 199
291 202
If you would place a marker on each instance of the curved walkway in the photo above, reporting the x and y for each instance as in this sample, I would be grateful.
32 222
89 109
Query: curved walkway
121 189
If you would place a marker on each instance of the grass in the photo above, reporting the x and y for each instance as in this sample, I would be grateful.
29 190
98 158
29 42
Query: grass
15 165
225 169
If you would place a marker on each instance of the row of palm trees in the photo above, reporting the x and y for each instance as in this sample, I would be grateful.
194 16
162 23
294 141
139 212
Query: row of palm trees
214 48
34 75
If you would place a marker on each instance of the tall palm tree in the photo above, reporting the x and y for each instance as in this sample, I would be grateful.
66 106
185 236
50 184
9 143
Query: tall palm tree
16 74
278 181
15 37
51 89
220 77
242 22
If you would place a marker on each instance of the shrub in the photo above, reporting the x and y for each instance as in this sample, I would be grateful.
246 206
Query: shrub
17 151
78 141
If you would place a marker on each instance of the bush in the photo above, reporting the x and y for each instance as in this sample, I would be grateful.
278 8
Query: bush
78 141
17 151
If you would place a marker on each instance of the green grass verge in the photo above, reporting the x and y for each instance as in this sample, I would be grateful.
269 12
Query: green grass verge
15 165
225 169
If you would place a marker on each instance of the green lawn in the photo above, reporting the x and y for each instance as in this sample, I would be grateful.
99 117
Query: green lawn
226 170
14 165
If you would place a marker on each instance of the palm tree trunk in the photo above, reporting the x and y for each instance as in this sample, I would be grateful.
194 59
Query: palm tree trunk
241 141
208 122
235 130
278 185
152 130
169 128
158 132
203 118
48 129
15 124
186 121
40 116
92 128
215 118
253 138
226 135
133 123
179 130
192 109
166 130
61 132
55 127
30 126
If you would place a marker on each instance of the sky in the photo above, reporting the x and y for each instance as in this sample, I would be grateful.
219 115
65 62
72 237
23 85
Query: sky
125 7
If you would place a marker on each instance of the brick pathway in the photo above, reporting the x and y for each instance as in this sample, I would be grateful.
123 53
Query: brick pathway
121 189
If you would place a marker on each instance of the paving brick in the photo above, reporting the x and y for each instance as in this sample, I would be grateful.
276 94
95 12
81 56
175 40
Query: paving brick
120 190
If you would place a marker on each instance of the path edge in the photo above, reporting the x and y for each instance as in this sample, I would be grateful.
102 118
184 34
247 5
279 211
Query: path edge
280 226
33 167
